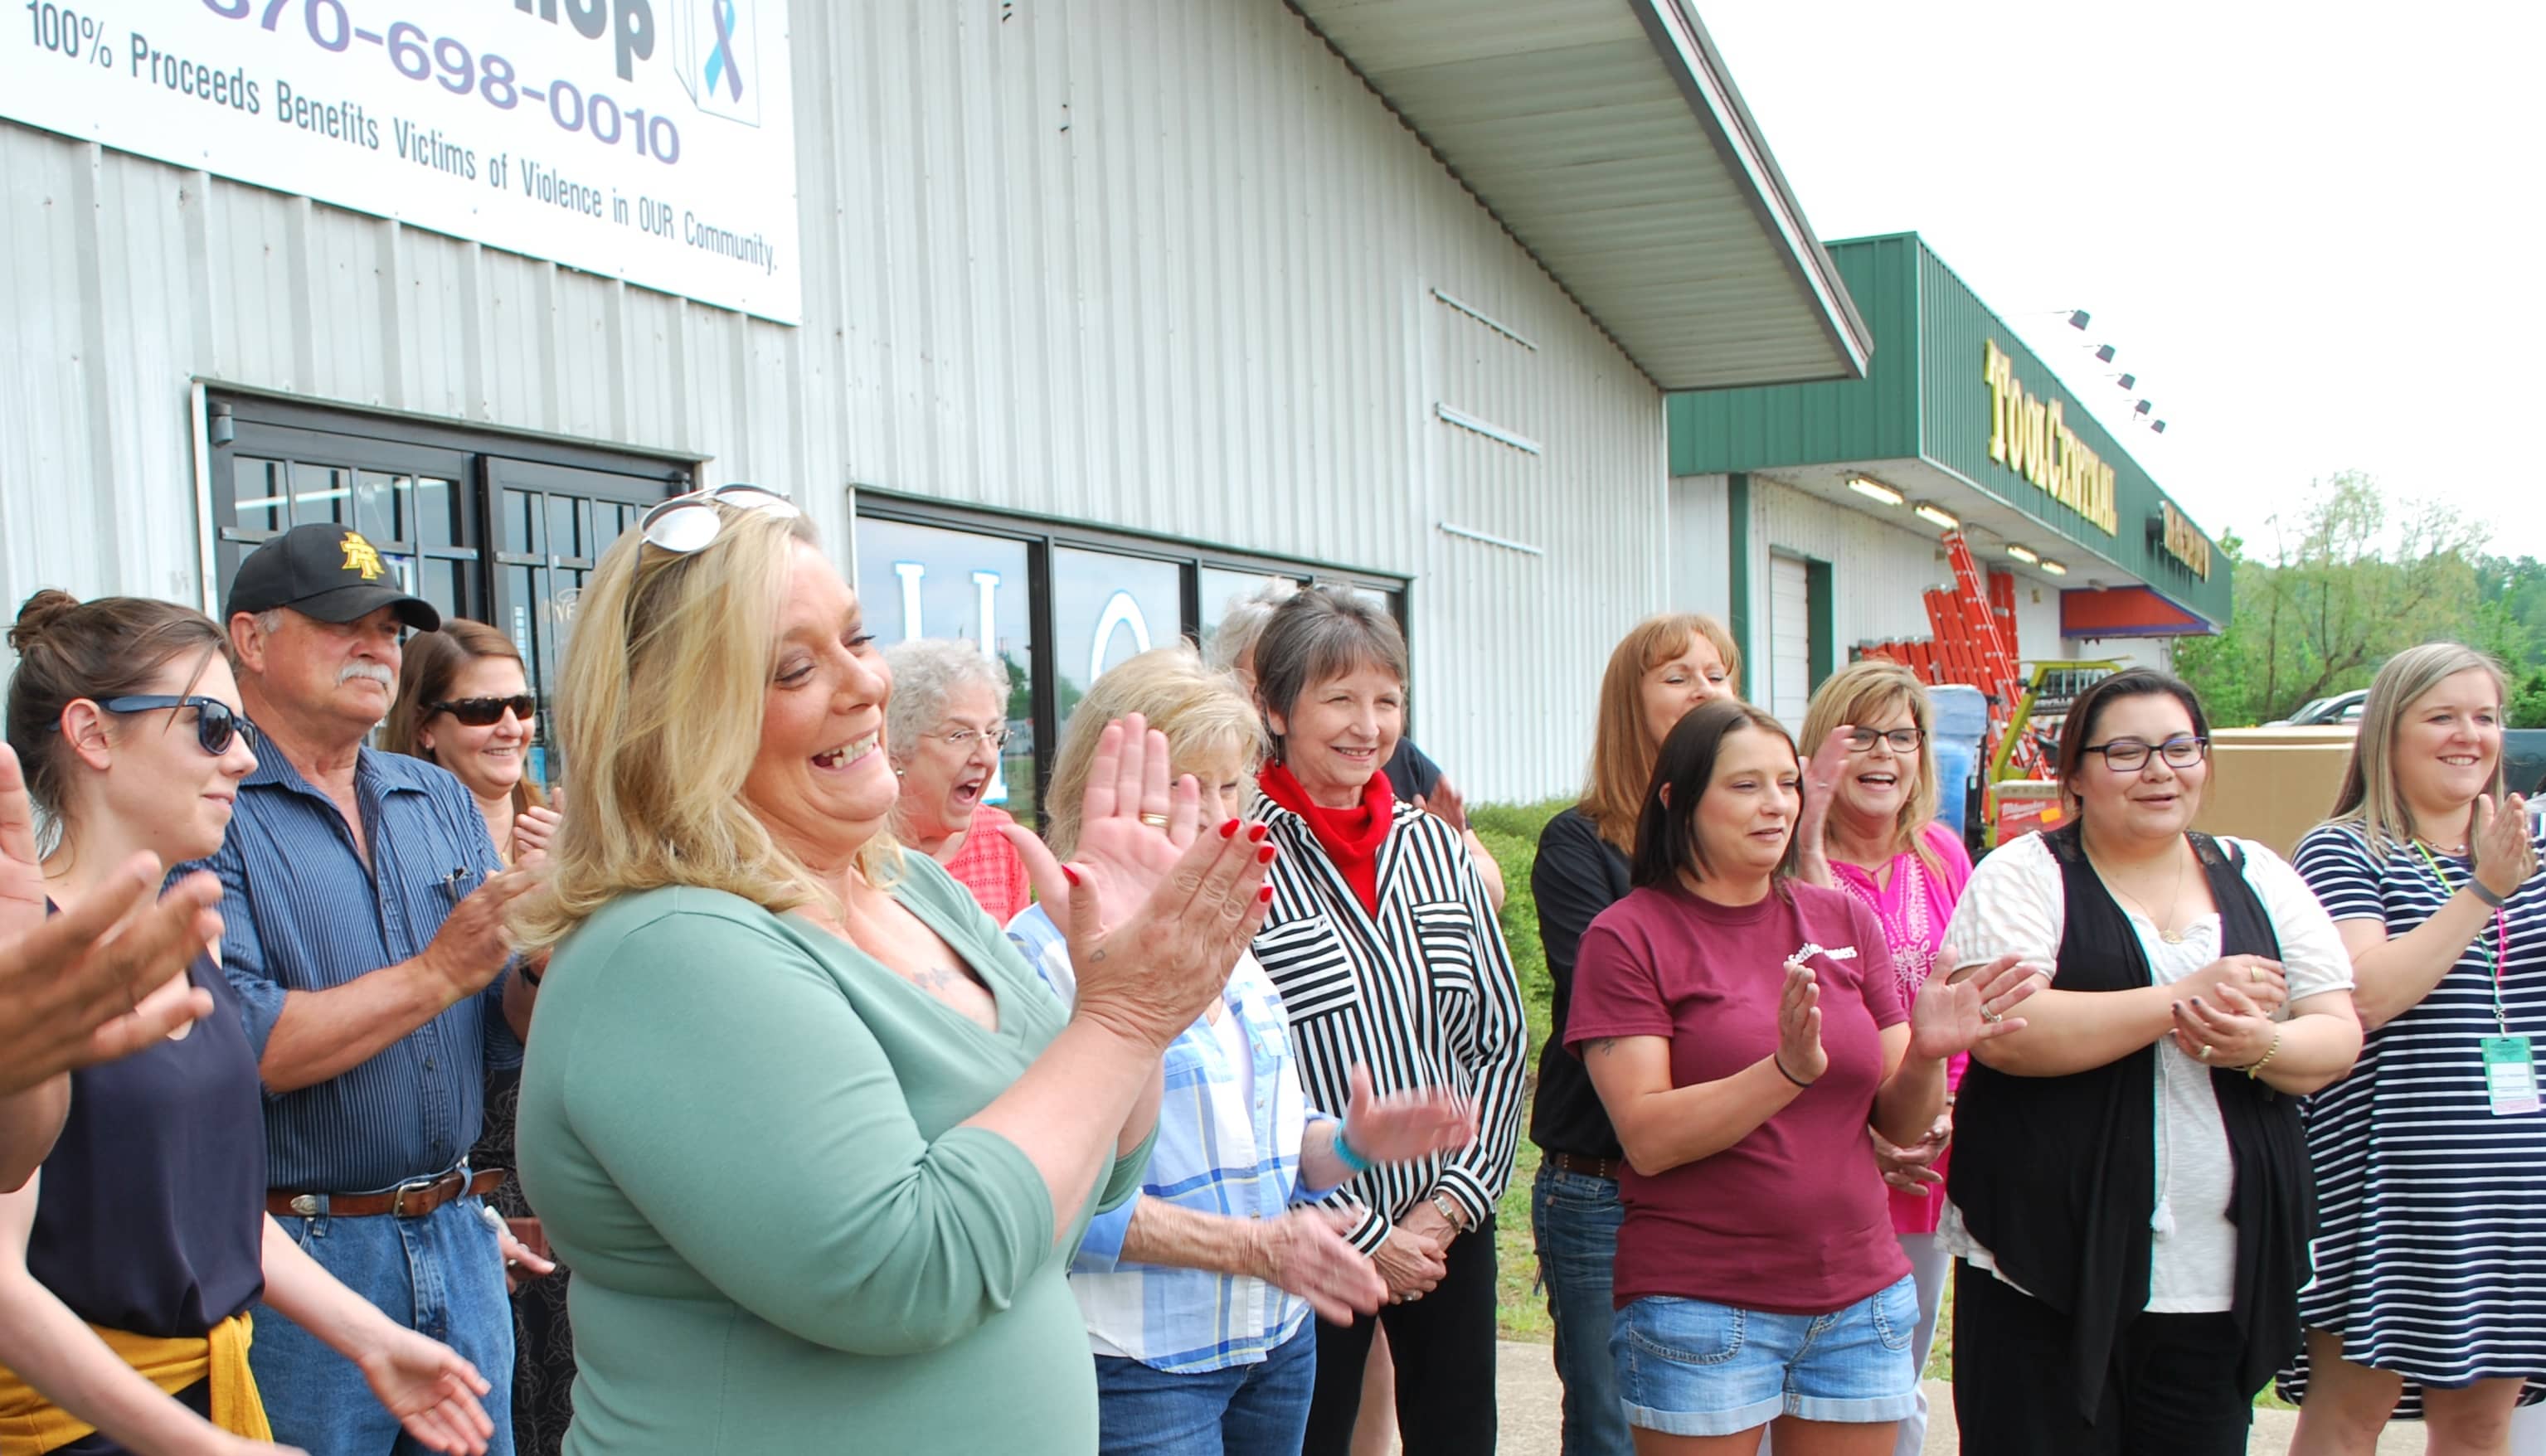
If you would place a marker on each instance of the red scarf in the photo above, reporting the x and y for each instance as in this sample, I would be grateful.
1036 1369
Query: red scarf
1351 837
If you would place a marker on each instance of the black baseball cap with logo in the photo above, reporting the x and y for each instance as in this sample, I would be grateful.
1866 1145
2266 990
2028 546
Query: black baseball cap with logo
325 571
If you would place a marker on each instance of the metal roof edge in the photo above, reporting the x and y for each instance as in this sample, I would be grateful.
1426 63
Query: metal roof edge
2088 546
1678 34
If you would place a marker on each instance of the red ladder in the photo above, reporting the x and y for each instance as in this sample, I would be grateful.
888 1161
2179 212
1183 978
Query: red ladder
1969 623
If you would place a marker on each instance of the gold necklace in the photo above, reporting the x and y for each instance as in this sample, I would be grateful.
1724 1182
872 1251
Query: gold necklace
2169 936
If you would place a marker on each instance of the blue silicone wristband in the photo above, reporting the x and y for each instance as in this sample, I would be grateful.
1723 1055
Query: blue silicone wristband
1347 1155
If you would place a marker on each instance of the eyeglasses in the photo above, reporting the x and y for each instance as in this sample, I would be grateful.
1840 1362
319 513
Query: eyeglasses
2130 755
215 726
688 523
962 740
486 712
1903 740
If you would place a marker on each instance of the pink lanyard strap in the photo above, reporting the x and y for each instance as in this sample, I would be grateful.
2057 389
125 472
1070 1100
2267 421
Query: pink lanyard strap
2500 935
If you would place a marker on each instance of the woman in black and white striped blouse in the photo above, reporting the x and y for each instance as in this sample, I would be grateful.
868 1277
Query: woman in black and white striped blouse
1387 953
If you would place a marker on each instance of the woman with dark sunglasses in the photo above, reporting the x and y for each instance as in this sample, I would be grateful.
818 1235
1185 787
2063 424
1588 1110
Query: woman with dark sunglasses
463 702
129 1264
2130 1198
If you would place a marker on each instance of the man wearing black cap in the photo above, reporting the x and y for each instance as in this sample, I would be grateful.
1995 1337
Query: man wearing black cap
362 914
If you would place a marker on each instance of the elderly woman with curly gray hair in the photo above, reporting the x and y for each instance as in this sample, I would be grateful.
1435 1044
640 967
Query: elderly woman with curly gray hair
943 732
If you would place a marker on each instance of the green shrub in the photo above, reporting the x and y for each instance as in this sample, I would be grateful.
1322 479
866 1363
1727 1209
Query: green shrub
1511 833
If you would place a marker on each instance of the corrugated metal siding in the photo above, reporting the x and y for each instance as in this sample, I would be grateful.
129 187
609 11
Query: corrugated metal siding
1873 418
1882 571
1701 560
1157 264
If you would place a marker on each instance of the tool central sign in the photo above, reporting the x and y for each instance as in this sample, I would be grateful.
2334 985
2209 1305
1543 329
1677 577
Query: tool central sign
2029 436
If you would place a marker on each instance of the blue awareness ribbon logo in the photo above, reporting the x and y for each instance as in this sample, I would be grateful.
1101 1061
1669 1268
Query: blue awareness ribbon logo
721 61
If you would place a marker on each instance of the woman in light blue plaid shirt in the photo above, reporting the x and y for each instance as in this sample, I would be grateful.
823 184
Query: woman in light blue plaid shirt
1198 1293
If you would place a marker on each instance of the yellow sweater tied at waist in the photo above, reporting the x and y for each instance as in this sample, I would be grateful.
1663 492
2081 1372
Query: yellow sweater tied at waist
31 1425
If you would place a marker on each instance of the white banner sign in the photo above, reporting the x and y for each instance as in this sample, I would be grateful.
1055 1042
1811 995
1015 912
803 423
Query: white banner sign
650 139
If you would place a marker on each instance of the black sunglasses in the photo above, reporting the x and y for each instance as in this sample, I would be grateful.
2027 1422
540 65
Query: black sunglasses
215 726
486 712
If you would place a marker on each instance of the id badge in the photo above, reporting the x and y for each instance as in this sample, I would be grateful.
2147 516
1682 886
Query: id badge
2509 1076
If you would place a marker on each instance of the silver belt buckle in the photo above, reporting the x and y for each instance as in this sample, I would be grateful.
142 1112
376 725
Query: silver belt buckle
305 1205
397 1197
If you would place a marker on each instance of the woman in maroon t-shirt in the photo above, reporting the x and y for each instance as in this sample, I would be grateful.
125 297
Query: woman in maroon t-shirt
1742 1029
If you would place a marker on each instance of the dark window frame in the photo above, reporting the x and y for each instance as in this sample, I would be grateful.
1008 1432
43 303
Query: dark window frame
1041 535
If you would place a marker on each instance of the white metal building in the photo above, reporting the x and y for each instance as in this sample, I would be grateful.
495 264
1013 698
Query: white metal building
1106 308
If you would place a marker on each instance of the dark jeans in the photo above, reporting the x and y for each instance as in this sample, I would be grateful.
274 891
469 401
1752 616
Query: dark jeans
1444 1349
1575 1218
1257 1409
2169 1390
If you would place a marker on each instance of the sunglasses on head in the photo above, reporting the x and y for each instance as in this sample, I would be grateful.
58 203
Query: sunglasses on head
215 726
486 712
689 523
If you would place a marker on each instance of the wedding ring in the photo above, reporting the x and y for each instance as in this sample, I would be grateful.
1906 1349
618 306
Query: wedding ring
1992 1017
1154 821
2254 973
2205 1050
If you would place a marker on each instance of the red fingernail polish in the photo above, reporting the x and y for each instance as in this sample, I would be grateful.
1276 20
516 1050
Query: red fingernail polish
1265 894
1264 856
1257 832
1070 874
1228 828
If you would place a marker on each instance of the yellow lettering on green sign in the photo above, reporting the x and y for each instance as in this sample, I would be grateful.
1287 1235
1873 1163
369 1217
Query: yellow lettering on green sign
2185 542
2031 437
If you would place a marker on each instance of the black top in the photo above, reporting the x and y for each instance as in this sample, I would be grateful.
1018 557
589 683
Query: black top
151 1215
2057 1176
1579 875
1409 773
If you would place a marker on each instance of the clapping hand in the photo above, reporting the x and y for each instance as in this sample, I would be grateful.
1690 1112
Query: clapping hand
1445 804
2226 1028
1953 1016
2504 856
1133 825
1820 788
1405 1126
1799 1026
1913 1169
534 831
106 978
1306 1252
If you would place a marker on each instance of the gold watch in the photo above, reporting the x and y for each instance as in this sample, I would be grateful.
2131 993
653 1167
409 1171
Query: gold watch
1450 1209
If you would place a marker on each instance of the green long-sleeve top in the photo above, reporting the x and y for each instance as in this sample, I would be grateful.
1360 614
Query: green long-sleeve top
742 1135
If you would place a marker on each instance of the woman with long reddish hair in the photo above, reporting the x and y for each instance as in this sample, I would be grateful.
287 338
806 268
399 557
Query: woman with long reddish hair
1661 669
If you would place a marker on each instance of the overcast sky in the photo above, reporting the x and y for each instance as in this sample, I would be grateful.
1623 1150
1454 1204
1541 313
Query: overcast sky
2310 229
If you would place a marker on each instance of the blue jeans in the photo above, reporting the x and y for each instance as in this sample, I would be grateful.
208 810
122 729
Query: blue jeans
1258 1410
441 1275
1575 1218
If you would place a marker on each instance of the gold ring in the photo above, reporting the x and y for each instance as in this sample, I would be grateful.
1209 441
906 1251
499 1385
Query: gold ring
2254 973
2205 1050
1154 821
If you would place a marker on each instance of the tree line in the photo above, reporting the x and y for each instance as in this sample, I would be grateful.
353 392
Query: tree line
2353 579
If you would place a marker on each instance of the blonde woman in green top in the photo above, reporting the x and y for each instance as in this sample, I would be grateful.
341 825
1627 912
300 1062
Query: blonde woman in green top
814 1140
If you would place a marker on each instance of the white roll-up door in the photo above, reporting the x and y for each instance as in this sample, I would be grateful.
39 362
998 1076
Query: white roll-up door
1790 641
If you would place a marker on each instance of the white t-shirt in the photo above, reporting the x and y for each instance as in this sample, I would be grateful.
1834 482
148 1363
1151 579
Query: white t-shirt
2015 904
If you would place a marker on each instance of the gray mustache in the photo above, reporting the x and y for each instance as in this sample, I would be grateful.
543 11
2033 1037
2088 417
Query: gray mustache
372 671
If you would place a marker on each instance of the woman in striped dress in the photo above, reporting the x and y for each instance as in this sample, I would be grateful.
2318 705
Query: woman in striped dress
1387 950
2430 1160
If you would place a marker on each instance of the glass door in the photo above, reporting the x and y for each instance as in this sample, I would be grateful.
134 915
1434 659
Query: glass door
550 525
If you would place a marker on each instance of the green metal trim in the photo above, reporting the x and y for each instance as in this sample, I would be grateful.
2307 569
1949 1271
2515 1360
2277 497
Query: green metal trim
1820 602
1736 534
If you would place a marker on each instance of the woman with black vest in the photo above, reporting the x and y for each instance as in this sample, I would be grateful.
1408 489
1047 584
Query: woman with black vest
2130 1197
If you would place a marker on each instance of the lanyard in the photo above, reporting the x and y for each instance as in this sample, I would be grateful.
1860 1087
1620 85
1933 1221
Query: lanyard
2500 936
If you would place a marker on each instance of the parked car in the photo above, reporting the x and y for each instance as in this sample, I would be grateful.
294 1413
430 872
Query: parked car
2340 708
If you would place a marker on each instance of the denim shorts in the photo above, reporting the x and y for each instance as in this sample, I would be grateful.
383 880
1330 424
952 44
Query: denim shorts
1687 1367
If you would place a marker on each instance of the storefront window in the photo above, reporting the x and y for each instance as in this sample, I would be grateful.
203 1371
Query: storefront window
1223 590
1105 609
921 581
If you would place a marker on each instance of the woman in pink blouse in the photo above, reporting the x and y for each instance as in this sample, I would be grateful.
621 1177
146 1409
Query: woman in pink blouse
1869 827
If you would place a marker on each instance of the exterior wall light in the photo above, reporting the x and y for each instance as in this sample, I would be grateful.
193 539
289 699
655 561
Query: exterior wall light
2142 408
2078 319
2054 567
1873 489
2104 353
1935 516
2157 428
2024 554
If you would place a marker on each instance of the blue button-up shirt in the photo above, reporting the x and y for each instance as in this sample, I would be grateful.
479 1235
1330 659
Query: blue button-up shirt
301 911
1228 1144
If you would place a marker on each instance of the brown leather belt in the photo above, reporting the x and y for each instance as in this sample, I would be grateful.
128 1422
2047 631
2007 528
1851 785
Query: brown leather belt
1590 1168
406 1200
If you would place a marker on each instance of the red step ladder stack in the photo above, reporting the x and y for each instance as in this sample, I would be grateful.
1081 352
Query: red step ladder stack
1971 639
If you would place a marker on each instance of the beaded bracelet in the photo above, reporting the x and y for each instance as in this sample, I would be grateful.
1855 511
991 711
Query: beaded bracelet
2255 1068
1348 1155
